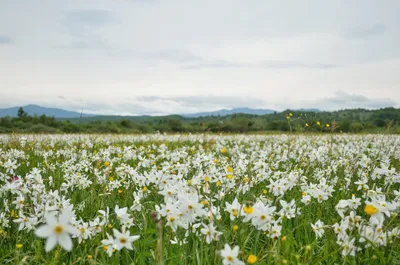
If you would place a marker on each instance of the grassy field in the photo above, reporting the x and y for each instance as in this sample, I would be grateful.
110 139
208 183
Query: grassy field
199 199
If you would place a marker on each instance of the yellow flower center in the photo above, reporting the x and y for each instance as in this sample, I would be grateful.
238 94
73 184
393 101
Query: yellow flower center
58 229
230 258
123 240
263 217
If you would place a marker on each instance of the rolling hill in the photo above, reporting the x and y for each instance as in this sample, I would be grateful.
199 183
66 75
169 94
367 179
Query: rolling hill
33 110
65 114
226 112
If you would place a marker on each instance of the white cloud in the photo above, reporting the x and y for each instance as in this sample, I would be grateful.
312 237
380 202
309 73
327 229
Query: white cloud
283 54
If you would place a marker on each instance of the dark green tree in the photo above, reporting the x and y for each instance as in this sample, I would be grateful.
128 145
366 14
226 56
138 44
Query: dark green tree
22 113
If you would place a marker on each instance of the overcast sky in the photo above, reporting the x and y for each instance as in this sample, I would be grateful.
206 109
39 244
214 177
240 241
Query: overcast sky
180 56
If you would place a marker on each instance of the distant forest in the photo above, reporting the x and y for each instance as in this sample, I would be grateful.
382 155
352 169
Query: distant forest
351 120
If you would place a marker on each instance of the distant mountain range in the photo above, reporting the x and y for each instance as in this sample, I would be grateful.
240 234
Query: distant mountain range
226 112
39 110
65 114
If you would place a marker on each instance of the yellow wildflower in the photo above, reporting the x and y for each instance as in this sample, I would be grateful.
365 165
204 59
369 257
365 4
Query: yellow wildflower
248 209
252 259
370 209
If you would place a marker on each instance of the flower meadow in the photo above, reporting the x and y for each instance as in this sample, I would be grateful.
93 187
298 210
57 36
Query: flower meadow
199 199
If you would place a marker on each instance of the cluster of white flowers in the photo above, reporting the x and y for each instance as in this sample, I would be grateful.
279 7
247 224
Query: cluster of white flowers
370 228
49 186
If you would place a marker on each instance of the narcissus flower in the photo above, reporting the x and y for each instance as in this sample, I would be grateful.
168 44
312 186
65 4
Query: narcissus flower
318 228
57 231
124 239
230 256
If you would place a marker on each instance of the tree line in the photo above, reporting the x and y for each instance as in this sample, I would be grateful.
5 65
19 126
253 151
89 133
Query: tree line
352 121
